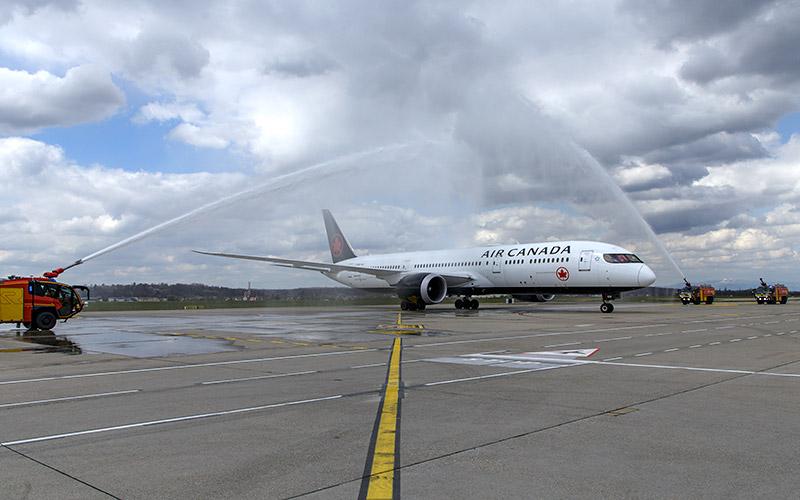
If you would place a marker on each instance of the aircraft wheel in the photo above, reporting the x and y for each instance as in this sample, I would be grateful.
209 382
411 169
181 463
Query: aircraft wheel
45 320
420 306
474 304
404 306
606 307
459 304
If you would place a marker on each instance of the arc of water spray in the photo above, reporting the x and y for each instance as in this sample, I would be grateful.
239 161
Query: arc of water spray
325 168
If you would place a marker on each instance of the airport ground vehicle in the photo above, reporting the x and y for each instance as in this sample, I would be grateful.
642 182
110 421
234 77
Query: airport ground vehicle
775 294
39 302
697 294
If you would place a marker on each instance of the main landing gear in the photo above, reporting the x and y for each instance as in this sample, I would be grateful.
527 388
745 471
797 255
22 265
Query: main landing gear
607 306
467 303
407 305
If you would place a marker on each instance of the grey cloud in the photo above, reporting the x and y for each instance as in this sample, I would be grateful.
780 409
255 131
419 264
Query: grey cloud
711 213
164 50
29 102
674 20
765 46
302 66
713 149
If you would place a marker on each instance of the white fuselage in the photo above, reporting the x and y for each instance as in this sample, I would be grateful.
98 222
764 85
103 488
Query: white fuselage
548 267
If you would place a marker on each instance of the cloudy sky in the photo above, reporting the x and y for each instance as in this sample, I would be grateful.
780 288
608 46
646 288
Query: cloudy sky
435 124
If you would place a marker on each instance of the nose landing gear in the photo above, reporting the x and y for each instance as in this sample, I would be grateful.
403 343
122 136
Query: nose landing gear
607 306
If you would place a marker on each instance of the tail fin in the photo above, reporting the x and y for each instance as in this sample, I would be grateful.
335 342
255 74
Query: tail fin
340 248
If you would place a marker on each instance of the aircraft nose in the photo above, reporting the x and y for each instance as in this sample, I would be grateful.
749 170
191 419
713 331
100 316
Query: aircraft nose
646 276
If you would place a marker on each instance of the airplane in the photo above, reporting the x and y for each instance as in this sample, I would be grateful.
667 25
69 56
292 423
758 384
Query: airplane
532 272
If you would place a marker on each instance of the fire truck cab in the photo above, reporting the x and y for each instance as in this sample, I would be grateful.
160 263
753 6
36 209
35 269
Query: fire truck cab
39 302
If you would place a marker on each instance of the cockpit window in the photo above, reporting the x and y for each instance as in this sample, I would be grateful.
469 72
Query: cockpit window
621 258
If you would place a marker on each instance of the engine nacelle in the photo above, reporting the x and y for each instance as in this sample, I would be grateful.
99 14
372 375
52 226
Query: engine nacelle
535 298
430 288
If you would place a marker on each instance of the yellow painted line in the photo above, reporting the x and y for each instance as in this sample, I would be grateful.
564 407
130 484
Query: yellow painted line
382 475
15 349
396 332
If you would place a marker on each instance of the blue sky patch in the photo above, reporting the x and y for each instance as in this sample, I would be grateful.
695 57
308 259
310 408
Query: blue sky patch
788 125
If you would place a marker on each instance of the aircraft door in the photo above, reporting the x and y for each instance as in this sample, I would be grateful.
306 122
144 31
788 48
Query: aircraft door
585 263
497 267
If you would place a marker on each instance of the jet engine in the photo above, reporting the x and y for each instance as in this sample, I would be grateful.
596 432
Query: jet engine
535 298
431 288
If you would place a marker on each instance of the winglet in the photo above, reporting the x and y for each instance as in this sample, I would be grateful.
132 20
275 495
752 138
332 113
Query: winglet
340 248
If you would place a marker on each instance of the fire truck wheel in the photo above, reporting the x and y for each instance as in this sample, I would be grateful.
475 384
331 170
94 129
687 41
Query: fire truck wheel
45 320
784 300
27 325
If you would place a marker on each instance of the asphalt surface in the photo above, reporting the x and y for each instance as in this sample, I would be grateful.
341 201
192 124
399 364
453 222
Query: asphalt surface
680 401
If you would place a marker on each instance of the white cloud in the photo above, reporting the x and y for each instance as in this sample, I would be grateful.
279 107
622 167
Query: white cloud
640 174
197 136
31 101
287 85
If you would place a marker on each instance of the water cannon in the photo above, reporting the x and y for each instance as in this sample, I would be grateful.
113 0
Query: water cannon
55 273
763 283
688 285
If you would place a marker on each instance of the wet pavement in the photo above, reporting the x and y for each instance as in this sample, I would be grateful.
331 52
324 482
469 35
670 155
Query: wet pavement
680 401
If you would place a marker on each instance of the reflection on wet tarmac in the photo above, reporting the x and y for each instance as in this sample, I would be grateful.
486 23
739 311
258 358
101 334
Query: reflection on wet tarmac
166 334
53 342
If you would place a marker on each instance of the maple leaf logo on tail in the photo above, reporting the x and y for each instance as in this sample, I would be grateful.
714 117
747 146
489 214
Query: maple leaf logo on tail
340 248
337 245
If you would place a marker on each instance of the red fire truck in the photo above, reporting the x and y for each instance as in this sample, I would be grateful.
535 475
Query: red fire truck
39 302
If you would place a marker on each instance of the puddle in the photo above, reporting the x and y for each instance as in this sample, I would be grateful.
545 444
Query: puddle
50 342
141 335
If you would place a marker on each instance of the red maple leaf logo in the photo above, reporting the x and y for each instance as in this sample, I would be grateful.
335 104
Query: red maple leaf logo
337 245
562 273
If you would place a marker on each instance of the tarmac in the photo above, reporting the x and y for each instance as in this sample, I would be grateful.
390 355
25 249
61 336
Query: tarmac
679 401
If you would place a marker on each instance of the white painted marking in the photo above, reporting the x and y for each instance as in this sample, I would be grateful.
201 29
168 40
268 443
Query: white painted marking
643 354
695 331
658 334
696 369
671 350
68 398
613 359
734 340
753 337
533 335
260 377
562 345
725 327
781 333
768 335
494 375
695 346
372 365
771 322
584 325
715 343
793 331
182 367
166 421
612 339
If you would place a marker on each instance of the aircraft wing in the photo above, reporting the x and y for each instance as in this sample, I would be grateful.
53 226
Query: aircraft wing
391 276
